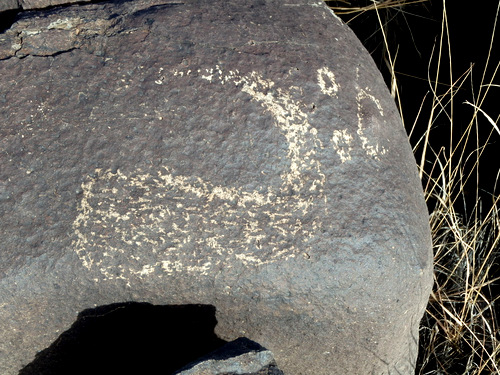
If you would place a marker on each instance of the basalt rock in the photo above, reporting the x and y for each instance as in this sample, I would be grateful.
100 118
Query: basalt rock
241 356
244 155
34 4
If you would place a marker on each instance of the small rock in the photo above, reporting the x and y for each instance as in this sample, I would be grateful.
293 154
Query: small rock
241 356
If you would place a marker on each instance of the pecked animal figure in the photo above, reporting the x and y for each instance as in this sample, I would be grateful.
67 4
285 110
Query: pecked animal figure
245 155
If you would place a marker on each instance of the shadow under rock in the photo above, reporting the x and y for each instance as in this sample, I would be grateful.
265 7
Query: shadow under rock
128 338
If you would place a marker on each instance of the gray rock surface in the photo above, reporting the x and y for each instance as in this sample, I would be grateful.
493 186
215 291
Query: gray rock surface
241 356
8 5
34 4
245 155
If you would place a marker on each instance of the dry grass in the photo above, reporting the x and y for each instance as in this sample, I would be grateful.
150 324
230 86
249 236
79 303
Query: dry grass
353 7
460 332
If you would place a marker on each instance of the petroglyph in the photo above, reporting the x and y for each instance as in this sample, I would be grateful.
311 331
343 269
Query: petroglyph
327 83
187 223
342 141
177 216
372 149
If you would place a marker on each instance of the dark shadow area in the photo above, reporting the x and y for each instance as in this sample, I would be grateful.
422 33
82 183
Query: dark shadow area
130 338
7 18
412 33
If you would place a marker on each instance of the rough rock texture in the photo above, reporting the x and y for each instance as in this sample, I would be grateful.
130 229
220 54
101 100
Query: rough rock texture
8 5
245 155
34 4
241 356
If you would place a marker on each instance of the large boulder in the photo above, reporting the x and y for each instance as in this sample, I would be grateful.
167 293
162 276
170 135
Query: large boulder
244 155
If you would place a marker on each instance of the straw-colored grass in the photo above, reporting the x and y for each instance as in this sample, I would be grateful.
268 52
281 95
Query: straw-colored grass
460 332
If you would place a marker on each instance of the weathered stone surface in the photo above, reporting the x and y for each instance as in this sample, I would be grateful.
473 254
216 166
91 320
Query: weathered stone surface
37 4
245 155
241 356
34 4
8 5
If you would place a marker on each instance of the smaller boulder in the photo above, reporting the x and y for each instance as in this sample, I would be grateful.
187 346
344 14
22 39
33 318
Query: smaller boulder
241 356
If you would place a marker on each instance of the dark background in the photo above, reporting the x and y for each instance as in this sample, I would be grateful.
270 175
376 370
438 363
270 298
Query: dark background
413 31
